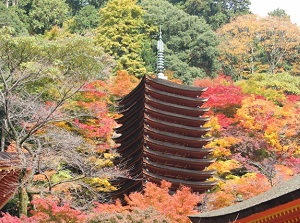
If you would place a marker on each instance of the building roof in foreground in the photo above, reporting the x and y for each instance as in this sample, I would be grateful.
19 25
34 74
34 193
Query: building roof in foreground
279 204
9 176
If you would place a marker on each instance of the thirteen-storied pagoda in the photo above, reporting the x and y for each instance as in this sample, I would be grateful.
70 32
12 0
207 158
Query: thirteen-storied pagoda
161 134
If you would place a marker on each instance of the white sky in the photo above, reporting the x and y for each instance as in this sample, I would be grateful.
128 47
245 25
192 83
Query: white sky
291 7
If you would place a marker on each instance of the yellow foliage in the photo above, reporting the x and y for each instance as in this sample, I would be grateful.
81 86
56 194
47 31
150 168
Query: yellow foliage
214 125
100 163
222 146
224 167
101 185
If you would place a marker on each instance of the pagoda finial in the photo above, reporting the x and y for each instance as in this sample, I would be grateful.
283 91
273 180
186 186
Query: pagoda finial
160 57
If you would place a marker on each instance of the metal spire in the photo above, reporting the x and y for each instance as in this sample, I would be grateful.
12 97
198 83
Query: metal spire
160 57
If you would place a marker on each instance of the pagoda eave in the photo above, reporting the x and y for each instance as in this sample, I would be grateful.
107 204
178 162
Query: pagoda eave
163 85
198 186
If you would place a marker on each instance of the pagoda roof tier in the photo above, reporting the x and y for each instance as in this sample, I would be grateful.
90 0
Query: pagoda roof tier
130 185
170 148
171 87
133 130
176 161
130 152
177 173
176 138
131 115
127 162
196 186
174 98
136 105
175 118
179 109
130 144
176 128
130 102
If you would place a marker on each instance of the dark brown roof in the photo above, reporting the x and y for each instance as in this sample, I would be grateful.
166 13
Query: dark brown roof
9 174
161 136
278 195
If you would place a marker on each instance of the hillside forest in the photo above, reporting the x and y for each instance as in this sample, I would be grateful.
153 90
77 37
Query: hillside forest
65 63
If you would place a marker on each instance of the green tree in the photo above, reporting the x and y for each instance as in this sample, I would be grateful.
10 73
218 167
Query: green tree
77 5
9 18
44 14
190 44
217 12
279 13
121 33
85 20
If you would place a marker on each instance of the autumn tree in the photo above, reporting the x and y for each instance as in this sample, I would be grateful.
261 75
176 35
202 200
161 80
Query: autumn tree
121 33
38 78
253 44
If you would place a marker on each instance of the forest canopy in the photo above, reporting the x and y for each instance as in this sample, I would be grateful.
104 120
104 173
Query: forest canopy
64 64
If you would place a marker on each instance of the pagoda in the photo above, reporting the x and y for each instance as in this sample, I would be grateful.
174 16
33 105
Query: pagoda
161 135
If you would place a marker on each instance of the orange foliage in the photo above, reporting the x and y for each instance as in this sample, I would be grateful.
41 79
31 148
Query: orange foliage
237 189
123 83
176 207
278 124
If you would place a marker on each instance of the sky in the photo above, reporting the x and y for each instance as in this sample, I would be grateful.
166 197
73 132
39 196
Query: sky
291 7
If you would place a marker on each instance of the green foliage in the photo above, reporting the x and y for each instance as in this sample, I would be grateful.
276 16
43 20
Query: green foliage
121 33
56 61
44 14
272 87
85 20
279 13
77 5
190 44
217 13
62 175
9 18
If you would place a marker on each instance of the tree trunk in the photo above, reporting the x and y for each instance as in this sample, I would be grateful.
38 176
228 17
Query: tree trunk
23 201
7 3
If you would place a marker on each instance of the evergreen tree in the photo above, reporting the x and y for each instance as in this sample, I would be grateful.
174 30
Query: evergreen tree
9 18
44 14
86 19
215 12
190 44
